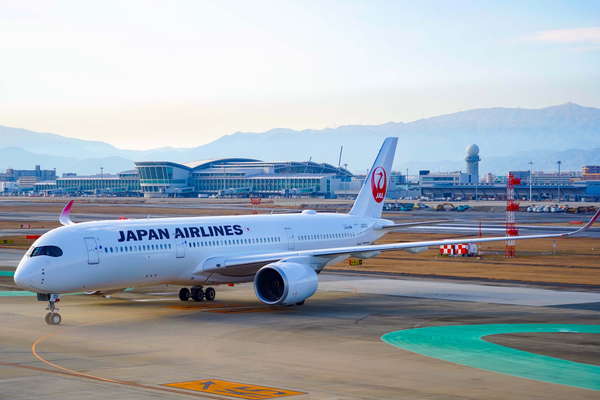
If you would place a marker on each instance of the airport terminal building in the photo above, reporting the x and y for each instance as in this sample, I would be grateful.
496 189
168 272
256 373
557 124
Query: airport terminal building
239 177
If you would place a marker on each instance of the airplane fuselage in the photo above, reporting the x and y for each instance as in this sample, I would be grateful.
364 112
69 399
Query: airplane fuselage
111 254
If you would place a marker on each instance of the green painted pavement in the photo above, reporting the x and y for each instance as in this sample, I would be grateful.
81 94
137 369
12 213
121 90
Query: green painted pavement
13 293
7 273
10 293
464 344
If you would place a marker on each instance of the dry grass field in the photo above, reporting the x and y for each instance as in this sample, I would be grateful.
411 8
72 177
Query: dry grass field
572 260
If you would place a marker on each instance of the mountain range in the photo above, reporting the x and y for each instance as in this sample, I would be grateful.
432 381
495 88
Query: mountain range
508 138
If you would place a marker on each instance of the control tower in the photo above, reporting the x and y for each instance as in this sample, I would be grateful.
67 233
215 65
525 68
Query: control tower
472 159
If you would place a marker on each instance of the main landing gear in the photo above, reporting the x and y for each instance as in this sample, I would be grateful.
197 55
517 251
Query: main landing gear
197 293
52 317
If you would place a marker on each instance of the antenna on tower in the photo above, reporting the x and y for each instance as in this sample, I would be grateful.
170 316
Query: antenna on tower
340 157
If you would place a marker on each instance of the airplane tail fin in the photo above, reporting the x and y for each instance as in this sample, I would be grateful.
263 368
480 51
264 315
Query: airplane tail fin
369 202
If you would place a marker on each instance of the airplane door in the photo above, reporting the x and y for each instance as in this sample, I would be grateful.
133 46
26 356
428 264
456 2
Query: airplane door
92 250
290 238
180 249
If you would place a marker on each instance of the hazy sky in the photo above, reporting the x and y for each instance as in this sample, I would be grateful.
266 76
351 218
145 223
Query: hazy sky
142 74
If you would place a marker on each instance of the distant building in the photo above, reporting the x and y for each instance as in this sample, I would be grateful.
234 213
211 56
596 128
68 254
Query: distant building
489 178
590 173
12 175
26 182
547 178
8 187
124 183
427 178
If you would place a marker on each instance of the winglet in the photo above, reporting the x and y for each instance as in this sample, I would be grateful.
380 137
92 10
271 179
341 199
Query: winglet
65 214
586 226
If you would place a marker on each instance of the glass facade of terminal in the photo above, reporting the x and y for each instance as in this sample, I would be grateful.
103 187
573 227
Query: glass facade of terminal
262 184
164 178
238 176
91 184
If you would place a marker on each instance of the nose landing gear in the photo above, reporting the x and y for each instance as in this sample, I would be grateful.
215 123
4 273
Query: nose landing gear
52 318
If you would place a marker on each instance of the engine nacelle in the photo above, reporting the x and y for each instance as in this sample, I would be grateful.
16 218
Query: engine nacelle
285 282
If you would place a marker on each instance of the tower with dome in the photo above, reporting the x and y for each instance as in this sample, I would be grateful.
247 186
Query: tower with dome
472 159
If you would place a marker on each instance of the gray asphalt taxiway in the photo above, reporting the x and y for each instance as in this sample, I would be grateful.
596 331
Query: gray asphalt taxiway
147 344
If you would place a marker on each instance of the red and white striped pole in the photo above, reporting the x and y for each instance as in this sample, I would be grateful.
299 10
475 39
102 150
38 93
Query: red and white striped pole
511 207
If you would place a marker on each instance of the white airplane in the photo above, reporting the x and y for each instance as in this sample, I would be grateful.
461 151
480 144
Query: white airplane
282 254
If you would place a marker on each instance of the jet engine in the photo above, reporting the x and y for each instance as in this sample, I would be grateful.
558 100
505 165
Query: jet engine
285 282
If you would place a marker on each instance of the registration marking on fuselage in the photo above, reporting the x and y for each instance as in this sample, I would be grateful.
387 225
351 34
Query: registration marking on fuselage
234 389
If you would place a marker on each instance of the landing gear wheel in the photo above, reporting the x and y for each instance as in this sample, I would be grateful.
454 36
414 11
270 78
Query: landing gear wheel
184 294
210 294
197 294
300 303
53 318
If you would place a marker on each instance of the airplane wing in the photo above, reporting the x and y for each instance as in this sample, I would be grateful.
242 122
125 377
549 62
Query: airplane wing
257 260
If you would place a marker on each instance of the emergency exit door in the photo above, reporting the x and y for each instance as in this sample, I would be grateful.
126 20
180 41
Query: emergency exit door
291 241
180 249
91 244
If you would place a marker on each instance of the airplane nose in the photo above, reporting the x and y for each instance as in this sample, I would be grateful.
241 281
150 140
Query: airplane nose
24 277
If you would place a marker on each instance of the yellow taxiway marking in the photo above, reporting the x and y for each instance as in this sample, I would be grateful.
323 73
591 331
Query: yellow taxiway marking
234 389
67 371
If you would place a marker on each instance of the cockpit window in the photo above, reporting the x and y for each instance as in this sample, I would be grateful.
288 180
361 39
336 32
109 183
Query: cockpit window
52 251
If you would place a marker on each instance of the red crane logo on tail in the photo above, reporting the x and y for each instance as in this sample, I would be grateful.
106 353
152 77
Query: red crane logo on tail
378 184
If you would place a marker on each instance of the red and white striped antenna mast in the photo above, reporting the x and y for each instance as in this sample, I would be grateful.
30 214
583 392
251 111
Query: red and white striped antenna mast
511 208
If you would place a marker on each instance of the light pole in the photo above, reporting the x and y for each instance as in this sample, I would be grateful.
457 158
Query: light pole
558 182
530 180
